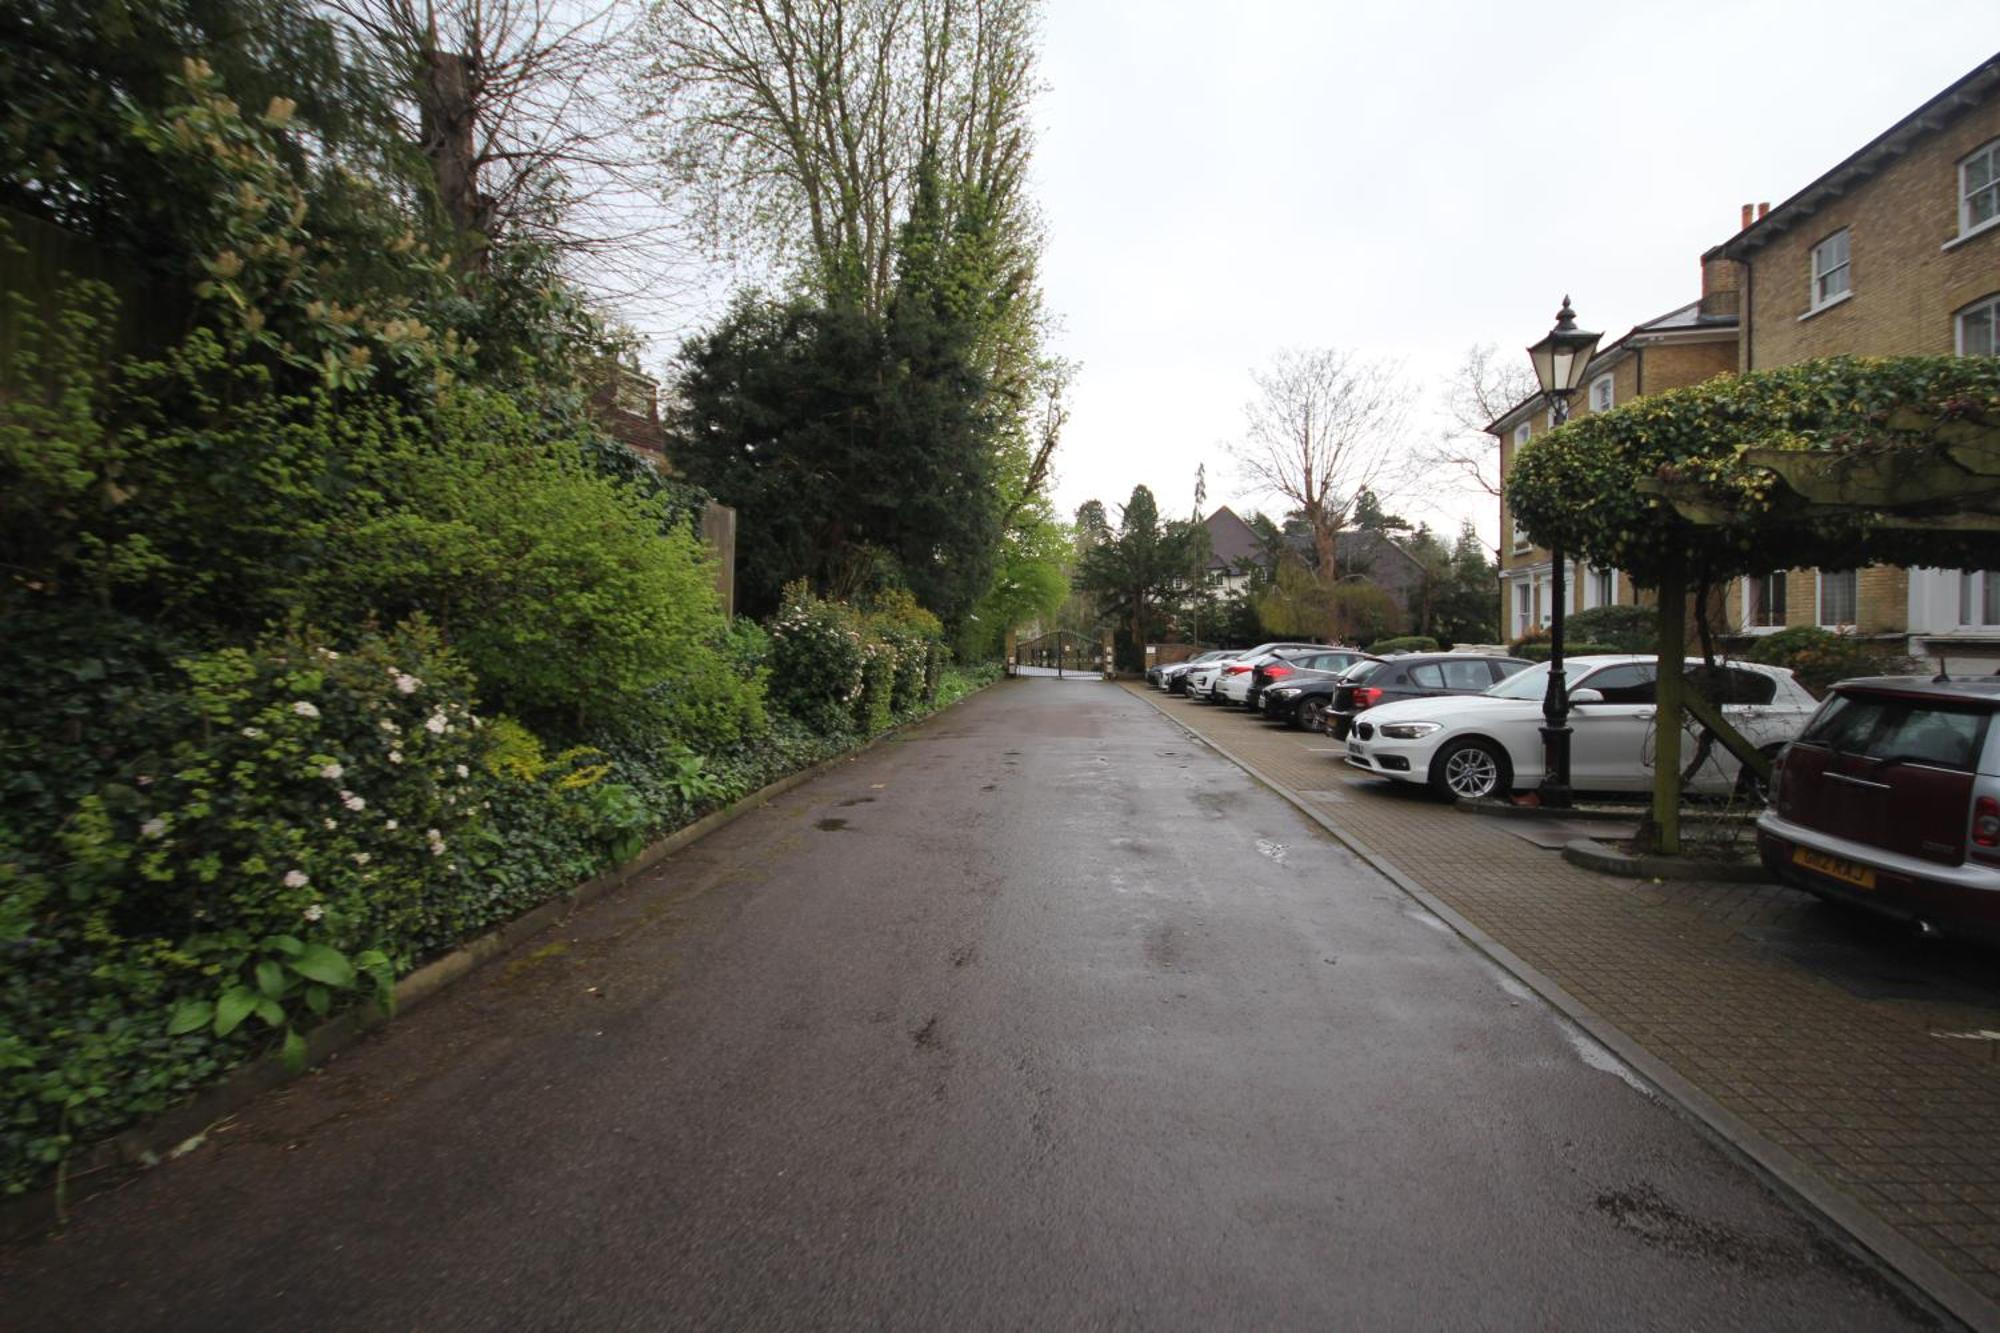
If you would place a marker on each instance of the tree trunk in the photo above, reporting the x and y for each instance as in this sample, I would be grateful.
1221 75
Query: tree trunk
1672 647
448 123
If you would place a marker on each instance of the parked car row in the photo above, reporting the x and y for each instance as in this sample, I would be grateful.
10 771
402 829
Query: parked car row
1885 796
1470 726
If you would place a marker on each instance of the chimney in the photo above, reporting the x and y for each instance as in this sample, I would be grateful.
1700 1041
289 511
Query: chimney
1721 287
1762 209
1747 211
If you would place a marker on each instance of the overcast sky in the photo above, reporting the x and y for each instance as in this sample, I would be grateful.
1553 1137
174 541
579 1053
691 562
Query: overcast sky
1405 180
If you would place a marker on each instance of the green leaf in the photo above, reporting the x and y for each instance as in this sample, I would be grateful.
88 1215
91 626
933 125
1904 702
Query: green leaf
189 1015
294 1051
322 964
271 1012
234 1006
290 944
319 999
271 979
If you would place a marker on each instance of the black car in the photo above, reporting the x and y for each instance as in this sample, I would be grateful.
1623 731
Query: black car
1415 676
1300 698
1282 666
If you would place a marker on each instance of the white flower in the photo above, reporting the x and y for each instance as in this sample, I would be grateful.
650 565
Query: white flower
407 684
332 772
330 823
144 779
153 827
329 654
390 824
361 858
395 756
436 841
388 726
297 879
352 802
314 912
254 733
436 724
462 771
305 708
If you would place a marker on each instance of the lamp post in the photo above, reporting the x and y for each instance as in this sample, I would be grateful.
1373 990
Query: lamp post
1561 361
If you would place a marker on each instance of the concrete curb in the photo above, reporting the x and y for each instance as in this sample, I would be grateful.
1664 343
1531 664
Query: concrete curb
1791 1177
1508 810
184 1128
1594 855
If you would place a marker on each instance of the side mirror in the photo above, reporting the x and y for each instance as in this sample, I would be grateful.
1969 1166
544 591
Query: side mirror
1586 696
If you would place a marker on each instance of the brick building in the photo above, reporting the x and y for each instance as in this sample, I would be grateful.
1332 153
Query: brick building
1683 346
1893 252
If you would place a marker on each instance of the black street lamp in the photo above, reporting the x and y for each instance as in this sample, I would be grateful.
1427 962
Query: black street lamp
1561 360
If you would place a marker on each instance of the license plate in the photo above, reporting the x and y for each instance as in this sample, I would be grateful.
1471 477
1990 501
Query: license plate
1861 877
1356 752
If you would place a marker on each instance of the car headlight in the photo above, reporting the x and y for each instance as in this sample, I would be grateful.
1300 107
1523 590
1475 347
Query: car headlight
1284 693
1407 731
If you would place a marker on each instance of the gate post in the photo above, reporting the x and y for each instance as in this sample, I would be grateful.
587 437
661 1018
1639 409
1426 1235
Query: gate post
1106 654
1009 645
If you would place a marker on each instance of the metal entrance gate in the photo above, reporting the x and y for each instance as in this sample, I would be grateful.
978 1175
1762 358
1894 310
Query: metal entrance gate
1059 653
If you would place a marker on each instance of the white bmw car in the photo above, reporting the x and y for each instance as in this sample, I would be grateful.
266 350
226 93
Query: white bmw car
1481 745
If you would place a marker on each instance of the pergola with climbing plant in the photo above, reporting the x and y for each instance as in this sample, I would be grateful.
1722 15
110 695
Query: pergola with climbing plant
1836 464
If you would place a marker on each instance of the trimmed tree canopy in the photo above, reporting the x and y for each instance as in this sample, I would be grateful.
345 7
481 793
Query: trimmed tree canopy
1667 483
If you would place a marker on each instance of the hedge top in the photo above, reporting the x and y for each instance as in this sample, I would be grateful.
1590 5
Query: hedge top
1594 485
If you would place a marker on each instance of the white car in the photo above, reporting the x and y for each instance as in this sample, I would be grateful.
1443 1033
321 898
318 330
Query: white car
1481 745
1203 680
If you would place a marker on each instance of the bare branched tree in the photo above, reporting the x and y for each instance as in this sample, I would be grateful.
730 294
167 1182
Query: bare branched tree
798 126
522 109
1326 426
1484 387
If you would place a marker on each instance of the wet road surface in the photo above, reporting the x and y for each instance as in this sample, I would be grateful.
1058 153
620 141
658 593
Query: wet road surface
1040 1015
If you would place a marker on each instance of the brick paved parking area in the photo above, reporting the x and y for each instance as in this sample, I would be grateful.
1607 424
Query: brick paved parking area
1844 1055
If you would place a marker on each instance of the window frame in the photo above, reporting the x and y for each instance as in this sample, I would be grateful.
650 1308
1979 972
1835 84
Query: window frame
1757 610
1991 306
1991 150
1524 606
1609 381
1976 589
1522 434
1815 273
1819 598
1600 587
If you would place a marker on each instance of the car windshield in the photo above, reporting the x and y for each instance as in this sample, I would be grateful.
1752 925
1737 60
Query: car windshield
1936 732
1532 683
1362 671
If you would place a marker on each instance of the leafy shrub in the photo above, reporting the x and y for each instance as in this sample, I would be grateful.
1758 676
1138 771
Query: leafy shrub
280 825
1819 657
878 681
1405 643
816 660
1537 650
1634 629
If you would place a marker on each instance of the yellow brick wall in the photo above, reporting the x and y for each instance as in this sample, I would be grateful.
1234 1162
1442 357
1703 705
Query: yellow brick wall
1906 287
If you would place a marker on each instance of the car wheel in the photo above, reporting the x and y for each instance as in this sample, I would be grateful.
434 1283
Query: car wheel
1751 788
1470 770
1311 713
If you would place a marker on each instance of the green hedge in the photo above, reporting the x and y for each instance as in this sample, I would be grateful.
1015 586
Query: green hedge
1537 650
1633 629
1404 643
1820 657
